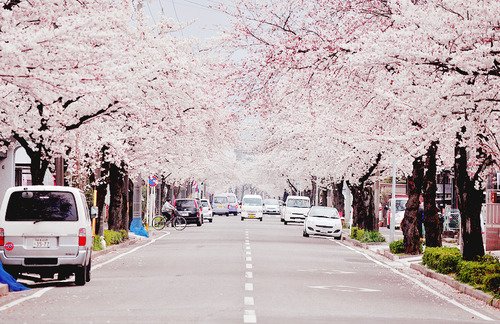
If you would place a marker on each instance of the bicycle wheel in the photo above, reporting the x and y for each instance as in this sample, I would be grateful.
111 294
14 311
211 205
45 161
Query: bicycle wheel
179 223
159 223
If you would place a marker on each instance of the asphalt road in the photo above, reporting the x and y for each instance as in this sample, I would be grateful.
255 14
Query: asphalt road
231 271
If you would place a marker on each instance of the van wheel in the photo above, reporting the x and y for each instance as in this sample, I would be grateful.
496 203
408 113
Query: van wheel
285 222
89 266
210 220
304 234
261 219
81 275
242 219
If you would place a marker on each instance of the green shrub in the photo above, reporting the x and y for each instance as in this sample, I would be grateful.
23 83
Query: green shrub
112 237
397 246
477 272
471 272
124 234
96 245
442 259
371 236
354 232
491 283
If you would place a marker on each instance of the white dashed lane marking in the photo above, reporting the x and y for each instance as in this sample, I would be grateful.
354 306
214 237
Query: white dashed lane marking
249 286
248 275
249 301
249 316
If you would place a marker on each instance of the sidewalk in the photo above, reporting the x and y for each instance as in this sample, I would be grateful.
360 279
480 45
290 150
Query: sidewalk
415 262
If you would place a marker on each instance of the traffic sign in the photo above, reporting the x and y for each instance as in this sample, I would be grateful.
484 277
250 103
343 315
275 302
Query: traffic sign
153 181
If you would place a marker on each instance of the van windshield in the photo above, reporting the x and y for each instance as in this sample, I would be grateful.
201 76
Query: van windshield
299 203
252 201
41 206
220 200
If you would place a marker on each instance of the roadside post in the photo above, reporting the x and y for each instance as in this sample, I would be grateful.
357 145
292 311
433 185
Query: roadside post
393 203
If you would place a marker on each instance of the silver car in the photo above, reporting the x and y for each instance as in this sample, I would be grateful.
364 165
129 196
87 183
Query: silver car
46 230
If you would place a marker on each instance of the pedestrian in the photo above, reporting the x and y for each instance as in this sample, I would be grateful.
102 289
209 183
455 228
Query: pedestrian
420 220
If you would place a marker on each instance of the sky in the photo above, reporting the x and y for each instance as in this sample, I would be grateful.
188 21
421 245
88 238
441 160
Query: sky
201 16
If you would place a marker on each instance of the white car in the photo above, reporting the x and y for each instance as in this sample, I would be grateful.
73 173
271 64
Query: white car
271 206
400 204
207 210
251 207
46 230
296 209
323 221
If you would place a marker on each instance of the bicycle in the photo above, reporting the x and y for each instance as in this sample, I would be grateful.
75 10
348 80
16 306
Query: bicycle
178 222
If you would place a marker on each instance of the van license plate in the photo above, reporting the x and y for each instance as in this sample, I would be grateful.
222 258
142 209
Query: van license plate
41 243
251 216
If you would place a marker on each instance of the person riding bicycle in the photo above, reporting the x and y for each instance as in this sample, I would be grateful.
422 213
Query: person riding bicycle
168 210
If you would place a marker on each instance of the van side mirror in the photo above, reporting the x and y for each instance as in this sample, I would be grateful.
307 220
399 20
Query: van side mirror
93 212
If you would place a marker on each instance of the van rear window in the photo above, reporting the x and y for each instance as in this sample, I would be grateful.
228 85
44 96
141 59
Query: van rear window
41 206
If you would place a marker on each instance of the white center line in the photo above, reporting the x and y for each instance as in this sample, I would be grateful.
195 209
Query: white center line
249 266
249 286
249 275
249 316
249 301
249 253
248 258
248 248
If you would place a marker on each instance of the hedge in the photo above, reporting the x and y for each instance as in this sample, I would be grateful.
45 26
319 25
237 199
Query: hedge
397 247
483 274
114 237
366 236
442 259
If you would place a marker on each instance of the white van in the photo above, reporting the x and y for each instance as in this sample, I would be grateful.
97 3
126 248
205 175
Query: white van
296 209
46 230
252 207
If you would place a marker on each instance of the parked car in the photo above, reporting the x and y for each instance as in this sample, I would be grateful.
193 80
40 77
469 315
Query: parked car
400 203
271 206
189 209
46 230
220 205
296 209
207 210
251 207
323 221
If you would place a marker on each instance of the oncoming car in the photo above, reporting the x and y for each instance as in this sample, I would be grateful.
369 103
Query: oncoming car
251 207
323 221
296 209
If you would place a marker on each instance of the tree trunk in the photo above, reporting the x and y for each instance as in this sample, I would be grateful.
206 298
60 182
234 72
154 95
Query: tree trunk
38 167
363 206
292 188
125 200
409 225
433 225
115 220
338 197
470 201
323 199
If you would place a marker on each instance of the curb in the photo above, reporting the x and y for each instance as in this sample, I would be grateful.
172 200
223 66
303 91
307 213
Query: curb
114 247
4 289
463 288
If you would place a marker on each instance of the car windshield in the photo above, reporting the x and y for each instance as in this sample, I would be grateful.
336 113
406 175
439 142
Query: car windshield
324 212
41 206
184 204
401 205
300 203
220 200
271 202
204 203
252 201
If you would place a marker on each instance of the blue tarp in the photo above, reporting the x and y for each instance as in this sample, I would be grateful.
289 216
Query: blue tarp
6 278
137 228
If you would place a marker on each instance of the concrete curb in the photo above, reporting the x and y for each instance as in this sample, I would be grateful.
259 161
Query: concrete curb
463 288
4 289
114 247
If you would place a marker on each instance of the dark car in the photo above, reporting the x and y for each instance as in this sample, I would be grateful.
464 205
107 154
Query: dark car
190 210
